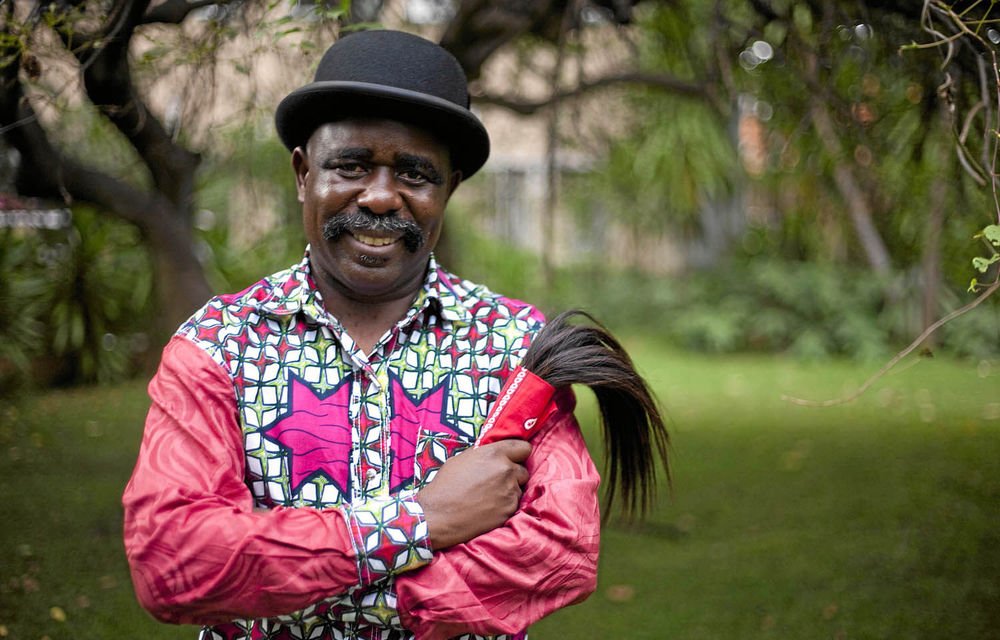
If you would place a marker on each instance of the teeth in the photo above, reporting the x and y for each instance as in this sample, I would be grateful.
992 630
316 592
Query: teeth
374 242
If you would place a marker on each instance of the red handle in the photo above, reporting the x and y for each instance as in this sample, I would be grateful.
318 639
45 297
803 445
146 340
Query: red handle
524 404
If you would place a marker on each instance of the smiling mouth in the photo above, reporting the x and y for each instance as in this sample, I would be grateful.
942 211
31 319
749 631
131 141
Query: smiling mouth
373 241
375 231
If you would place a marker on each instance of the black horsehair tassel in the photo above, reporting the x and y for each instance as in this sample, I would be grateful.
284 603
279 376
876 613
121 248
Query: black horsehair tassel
564 354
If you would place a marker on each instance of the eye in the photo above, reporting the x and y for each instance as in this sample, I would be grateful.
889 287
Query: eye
350 168
413 176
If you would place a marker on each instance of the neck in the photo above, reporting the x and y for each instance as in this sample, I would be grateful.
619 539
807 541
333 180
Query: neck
365 321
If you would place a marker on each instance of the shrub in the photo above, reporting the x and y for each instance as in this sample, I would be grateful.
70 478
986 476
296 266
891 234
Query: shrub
806 309
82 297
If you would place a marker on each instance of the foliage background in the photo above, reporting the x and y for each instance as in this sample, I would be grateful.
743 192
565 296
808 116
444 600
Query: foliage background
730 160
871 520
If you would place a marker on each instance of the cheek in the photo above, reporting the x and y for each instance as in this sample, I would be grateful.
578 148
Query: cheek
322 186
431 234
319 199
315 191
431 220
312 218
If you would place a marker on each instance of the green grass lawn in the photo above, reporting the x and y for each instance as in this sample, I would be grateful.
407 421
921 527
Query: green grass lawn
879 519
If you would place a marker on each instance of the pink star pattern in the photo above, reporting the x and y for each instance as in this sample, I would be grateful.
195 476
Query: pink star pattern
317 433
413 419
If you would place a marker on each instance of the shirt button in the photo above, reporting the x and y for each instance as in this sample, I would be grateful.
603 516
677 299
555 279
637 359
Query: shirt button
371 473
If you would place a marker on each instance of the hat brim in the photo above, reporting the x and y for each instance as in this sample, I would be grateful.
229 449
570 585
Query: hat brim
306 108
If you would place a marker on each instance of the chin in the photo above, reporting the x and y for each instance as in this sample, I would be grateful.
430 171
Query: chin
379 280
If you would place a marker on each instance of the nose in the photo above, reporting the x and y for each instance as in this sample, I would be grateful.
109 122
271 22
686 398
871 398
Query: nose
380 195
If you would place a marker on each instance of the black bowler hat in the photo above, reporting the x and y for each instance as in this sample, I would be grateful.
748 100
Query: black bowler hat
392 75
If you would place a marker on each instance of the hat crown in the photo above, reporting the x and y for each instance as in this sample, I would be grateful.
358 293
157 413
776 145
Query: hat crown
395 59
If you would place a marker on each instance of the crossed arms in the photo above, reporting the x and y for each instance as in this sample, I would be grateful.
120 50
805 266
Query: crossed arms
200 553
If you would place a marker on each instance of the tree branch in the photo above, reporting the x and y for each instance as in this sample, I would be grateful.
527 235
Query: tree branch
668 83
175 11
44 172
108 82
899 356
479 28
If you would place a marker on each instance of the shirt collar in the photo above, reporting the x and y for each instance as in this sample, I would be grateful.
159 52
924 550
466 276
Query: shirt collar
294 290
444 295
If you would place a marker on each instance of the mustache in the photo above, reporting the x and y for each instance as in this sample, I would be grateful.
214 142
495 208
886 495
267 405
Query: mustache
364 220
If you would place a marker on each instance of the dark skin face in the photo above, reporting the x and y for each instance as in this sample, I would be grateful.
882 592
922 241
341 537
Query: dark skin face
368 278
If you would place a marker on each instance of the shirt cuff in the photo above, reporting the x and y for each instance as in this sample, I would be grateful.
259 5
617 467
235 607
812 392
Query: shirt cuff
389 537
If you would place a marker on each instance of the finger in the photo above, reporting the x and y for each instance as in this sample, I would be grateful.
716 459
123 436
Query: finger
521 475
515 450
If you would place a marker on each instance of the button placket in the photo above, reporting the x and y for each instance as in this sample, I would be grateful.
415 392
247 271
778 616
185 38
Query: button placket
356 410
371 436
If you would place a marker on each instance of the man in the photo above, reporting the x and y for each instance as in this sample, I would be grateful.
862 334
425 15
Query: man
298 476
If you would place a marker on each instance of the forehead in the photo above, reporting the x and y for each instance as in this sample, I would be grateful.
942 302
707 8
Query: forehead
384 138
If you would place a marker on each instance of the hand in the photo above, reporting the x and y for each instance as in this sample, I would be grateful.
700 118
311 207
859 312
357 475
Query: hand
474 492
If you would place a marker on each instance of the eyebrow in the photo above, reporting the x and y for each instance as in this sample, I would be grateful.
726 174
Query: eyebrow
353 153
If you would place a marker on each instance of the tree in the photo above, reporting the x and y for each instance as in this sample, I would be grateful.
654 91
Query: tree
814 61
98 37
99 40
852 122
873 132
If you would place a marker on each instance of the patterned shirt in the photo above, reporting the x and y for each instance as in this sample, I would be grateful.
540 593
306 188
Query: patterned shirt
280 461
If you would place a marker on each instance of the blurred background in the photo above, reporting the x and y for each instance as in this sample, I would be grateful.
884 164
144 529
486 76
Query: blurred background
767 200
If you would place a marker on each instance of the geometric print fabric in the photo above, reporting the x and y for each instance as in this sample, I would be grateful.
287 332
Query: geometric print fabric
326 425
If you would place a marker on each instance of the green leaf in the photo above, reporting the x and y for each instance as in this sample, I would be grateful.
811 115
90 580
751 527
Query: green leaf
992 234
360 26
803 19
982 264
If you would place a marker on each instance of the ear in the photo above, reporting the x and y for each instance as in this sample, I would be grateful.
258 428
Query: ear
300 164
453 181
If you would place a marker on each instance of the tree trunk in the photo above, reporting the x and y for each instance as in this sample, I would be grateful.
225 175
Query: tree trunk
858 206
180 282
931 259
552 160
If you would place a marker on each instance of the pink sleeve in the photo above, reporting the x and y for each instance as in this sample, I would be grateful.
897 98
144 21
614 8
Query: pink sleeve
198 551
543 559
